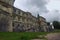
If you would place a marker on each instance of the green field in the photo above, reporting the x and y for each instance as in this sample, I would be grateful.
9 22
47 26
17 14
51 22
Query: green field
22 35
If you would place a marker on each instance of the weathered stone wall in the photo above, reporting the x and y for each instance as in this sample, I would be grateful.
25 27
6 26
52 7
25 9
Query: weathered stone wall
6 17
5 21
43 24
17 20
10 2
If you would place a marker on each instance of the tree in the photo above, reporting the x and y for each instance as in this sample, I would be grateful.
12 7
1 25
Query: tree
56 24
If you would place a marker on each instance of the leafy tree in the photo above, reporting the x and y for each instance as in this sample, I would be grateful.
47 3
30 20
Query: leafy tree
56 24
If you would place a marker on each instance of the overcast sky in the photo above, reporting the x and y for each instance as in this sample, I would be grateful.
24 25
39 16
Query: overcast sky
50 9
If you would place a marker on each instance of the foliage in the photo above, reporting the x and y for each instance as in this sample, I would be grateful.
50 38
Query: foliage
56 24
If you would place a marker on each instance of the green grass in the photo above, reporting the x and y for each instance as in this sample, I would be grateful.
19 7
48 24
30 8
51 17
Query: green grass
57 30
23 35
20 36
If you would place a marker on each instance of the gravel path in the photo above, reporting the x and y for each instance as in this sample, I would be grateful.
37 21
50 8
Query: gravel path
53 36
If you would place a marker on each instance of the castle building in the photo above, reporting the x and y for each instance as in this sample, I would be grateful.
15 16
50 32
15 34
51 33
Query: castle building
15 20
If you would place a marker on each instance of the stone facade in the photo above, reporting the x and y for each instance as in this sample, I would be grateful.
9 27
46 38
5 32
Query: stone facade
9 2
42 24
18 20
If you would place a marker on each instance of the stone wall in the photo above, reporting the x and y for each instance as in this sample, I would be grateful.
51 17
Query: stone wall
10 2
42 24
5 21
17 20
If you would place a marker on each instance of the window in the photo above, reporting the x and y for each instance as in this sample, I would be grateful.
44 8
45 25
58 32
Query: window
21 13
14 10
17 11
13 24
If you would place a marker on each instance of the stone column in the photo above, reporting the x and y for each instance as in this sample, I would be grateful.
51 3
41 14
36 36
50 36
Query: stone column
10 27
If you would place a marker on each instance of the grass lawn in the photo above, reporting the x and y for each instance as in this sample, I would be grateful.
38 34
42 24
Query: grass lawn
22 35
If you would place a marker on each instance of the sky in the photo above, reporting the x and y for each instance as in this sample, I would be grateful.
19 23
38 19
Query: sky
49 9
54 5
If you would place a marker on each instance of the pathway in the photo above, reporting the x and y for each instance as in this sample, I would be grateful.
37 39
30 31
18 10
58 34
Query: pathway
51 36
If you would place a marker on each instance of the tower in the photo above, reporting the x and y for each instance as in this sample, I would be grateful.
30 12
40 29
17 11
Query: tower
10 2
6 10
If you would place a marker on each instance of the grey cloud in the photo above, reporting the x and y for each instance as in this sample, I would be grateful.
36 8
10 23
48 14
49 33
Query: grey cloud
38 6
52 16
33 6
